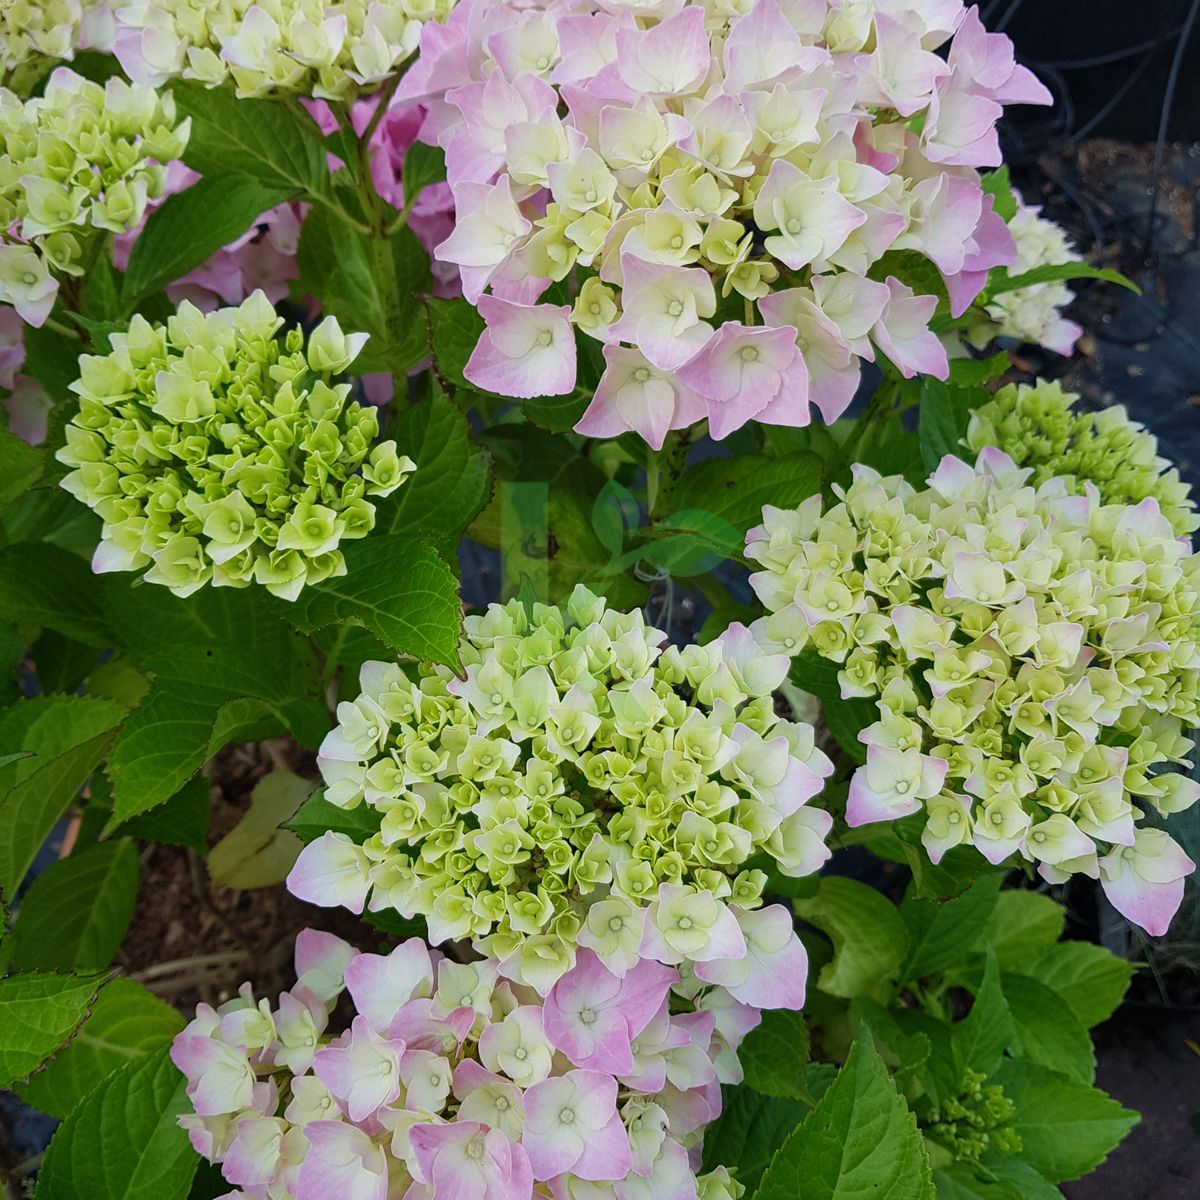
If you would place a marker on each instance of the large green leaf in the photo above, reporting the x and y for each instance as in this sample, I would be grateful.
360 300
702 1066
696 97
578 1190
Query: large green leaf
400 590
749 1131
371 284
1022 925
123 1142
208 655
943 933
423 165
860 1141
41 1012
67 737
981 1038
269 142
127 1023
870 940
192 225
774 1056
1089 978
46 587
945 411
181 821
452 481
75 914
1047 1031
959 1181
21 466
316 816
1067 1128
736 488
454 327
1001 282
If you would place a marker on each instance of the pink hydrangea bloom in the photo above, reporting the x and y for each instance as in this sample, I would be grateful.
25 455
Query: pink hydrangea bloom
685 162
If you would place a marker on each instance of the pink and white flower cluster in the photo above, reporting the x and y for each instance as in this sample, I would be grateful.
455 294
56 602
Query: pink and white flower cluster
722 189
450 1084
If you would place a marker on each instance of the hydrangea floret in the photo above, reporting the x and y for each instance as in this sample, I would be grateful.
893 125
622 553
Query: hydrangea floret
218 452
35 33
272 47
77 163
580 786
1034 314
729 191
450 1083
1034 655
1038 426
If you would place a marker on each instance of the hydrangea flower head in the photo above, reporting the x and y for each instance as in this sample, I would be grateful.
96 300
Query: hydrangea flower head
1035 657
725 194
33 33
1034 314
1039 427
579 787
80 161
272 47
217 452
452 1084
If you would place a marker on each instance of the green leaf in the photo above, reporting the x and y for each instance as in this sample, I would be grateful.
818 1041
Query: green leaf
455 327
1089 978
775 1054
1022 925
1000 281
559 414
403 592
943 933
860 1141
41 1012
1028 1184
749 1131
689 542
614 513
958 1181
1047 1031
981 1038
181 821
123 1142
102 297
945 411
127 1023
53 360
451 484
870 940
813 673
423 165
316 815
998 185
269 142
259 851
75 913
46 587
69 737
369 283
975 372
194 224
1067 1128
846 719
207 655
736 488
21 466
903 1050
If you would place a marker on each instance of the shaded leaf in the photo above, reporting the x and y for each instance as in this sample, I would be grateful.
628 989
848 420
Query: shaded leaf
1046 1029
775 1055
41 1012
749 1131
1089 978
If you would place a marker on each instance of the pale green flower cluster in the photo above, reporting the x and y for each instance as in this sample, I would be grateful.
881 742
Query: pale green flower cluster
216 452
272 47
1038 426
544 797
76 162
1035 655
34 31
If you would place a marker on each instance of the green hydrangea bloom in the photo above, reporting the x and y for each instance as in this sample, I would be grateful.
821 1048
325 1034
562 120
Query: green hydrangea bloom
1034 656
76 163
543 799
217 452
35 32
1038 426
976 1121
272 47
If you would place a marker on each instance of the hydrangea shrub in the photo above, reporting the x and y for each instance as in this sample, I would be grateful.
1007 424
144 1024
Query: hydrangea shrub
563 459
